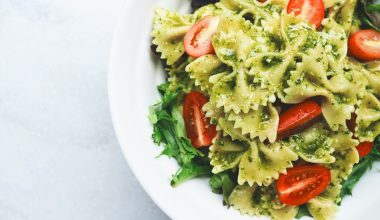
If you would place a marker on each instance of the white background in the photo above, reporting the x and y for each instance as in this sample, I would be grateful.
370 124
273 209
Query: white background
59 158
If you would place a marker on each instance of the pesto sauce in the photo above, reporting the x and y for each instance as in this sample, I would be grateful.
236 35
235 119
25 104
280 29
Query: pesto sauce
270 61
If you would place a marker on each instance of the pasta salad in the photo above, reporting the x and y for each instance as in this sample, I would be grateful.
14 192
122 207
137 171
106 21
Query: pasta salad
276 101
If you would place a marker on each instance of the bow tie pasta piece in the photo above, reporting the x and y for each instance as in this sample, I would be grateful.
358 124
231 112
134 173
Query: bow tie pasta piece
343 139
169 29
262 164
261 123
304 80
342 11
227 128
266 16
372 75
225 153
334 39
232 47
332 192
234 93
254 200
294 31
241 199
284 213
314 144
322 208
213 112
266 73
345 160
338 106
205 67
368 118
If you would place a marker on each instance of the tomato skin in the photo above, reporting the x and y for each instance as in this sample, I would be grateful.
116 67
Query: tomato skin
198 127
197 41
302 183
365 45
363 148
311 10
297 117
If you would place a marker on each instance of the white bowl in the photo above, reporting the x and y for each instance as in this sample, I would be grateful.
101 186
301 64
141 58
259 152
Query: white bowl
133 76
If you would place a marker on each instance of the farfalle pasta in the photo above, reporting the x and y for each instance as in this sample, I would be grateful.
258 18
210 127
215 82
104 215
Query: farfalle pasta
265 60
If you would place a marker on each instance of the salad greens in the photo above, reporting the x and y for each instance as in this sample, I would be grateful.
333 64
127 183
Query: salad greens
302 211
369 13
360 168
169 130
222 183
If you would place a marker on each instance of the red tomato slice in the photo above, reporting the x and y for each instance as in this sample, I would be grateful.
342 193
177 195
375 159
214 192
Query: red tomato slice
363 148
198 127
311 10
298 117
197 40
302 183
365 45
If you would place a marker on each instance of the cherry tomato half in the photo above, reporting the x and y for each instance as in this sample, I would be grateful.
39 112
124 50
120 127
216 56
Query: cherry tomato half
311 10
197 40
302 183
297 117
364 148
198 127
365 45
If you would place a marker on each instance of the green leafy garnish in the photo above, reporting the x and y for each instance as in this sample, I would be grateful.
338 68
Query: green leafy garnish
360 168
368 12
373 8
169 130
189 171
302 211
222 183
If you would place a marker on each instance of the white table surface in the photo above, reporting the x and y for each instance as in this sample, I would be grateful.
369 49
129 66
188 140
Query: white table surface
59 157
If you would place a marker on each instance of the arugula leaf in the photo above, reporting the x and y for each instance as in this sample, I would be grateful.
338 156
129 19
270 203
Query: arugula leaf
169 130
373 8
222 183
368 12
359 169
189 171
303 211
